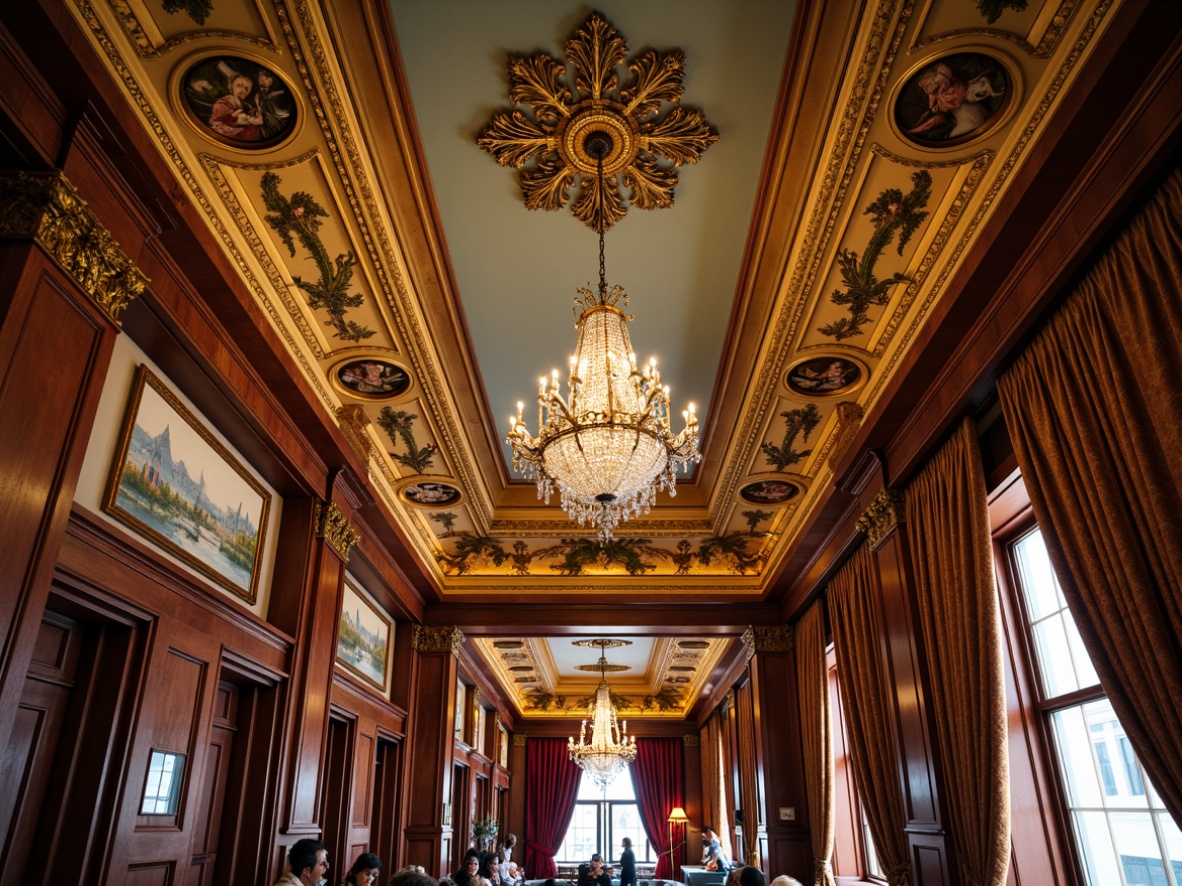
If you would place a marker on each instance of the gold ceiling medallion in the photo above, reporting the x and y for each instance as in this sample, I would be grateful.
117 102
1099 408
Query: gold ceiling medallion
550 146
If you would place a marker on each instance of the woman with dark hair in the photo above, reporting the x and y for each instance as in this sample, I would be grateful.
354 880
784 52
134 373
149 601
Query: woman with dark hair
364 871
469 872
490 871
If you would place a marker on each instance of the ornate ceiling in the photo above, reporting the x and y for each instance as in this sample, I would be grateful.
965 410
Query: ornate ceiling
331 149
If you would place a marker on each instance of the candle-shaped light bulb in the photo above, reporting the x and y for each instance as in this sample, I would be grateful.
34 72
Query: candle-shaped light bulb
542 385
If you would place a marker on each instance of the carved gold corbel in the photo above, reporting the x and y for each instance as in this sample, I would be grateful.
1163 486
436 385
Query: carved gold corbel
885 513
437 638
335 529
46 208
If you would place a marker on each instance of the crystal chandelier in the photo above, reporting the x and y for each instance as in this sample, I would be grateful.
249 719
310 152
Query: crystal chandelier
607 448
609 749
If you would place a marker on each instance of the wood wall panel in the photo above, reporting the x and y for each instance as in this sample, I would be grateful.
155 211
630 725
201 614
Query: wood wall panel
45 321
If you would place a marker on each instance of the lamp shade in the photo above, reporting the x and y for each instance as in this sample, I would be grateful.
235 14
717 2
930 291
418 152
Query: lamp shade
678 816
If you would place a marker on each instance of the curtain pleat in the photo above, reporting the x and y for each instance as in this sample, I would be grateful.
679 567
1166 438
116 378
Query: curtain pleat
857 640
551 787
657 777
816 727
713 773
951 552
1094 409
748 790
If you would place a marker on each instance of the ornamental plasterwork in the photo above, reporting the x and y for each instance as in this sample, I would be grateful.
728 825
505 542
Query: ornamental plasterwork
648 131
863 158
676 672
45 207
336 530
437 638
885 512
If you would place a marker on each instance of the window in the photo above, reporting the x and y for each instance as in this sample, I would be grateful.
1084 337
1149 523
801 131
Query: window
1123 834
601 821
162 787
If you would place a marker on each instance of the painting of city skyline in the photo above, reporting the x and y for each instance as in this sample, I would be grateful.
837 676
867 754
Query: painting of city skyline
363 639
177 486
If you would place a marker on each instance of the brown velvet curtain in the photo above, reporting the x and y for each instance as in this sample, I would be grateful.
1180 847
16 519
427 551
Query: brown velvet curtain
816 728
952 554
857 640
1094 408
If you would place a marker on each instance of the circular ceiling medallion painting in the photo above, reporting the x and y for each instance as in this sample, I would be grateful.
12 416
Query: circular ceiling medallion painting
434 495
825 376
769 492
952 99
239 102
371 379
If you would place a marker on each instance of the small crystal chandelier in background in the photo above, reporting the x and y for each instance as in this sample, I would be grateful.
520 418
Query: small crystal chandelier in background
609 749
608 448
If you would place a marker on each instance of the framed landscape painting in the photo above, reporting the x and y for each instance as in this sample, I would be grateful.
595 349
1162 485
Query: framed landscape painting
176 485
363 640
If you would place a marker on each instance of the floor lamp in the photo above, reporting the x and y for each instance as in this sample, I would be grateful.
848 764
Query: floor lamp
677 816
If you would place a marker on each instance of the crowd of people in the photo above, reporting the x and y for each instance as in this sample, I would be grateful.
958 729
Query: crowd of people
308 865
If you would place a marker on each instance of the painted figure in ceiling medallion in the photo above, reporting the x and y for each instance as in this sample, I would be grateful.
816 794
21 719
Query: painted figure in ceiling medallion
769 492
952 99
372 379
239 102
825 376
433 495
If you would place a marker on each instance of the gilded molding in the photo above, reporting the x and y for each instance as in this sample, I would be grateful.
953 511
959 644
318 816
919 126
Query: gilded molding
437 638
689 741
519 739
354 421
748 641
849 419
45 207
773 639
335 529
884 514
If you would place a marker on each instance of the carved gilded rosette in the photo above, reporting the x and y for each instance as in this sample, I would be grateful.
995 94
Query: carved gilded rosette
884 514
45 207
437 638
335 529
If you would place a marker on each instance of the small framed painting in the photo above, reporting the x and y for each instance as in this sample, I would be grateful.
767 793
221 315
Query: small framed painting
953 99
238 102
176 485
363 640
825 376
769 492
371 379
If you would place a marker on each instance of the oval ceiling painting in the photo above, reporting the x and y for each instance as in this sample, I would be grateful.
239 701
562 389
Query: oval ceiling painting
825 376
433 495
239 102
952 99
769 492
371 379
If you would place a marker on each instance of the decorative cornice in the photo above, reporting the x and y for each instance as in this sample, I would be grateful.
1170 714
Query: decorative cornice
335 529
884 514
689 741
849 419
748 641
354 421
45 207
773 639
519 739
437 638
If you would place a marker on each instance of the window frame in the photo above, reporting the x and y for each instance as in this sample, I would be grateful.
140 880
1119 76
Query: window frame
603 833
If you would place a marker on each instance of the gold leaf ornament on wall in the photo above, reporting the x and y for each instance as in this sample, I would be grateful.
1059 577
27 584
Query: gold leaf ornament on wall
548 144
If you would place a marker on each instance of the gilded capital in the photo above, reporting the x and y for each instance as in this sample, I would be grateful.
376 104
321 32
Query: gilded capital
689 741
773 639
748 641
519 739
437 638
884 514
335 529
46 208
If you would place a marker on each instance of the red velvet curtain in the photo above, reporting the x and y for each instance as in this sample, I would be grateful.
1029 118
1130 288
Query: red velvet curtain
551 786
657 778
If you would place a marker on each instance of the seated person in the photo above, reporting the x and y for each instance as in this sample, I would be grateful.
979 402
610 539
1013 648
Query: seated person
593 874
746 876
469 872
713 858
489 869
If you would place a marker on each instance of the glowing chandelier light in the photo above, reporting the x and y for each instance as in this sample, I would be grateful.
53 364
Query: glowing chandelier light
608 447
609 749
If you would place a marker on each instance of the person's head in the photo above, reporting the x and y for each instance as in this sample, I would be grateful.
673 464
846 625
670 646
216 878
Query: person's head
746 876
510 841
241 86
413 875
308 860
627 842
596 864
707 834
471 863
489 869
365 870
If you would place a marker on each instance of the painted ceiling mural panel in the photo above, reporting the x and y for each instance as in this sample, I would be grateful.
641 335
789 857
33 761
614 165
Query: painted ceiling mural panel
298 158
